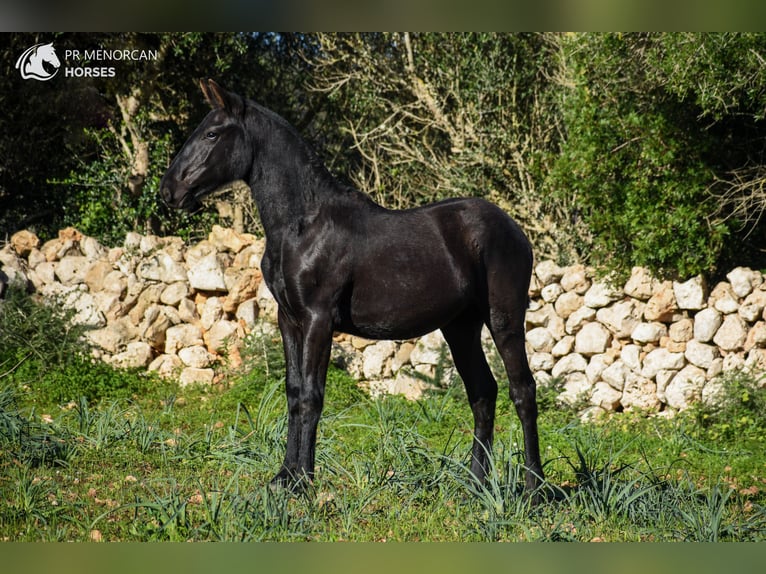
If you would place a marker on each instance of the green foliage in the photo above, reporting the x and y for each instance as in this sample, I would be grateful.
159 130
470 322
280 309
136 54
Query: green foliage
635 162
43 352
739 410
98 203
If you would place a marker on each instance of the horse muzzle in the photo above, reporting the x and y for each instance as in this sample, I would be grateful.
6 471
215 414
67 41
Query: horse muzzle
177 194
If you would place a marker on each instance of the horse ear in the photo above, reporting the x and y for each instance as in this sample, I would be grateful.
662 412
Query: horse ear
218 98
213 94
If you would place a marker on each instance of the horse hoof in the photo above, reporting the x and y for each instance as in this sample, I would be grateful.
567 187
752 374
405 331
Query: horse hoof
292 482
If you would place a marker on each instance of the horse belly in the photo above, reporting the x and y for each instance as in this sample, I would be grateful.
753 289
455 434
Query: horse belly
393 304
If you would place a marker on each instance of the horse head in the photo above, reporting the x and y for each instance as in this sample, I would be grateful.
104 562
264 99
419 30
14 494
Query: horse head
217 152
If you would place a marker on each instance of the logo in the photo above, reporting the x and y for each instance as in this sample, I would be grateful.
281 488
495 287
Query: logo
39 62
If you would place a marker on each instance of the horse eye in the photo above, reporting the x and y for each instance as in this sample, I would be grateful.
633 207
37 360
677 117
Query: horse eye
211 136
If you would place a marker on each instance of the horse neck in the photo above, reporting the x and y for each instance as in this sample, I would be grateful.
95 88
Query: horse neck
287 178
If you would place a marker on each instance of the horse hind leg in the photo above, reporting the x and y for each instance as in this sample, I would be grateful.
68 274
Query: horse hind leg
464 339
508 333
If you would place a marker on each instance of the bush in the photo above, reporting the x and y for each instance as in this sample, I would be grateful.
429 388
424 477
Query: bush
636 163
739 413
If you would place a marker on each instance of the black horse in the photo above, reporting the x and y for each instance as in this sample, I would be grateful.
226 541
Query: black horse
337 261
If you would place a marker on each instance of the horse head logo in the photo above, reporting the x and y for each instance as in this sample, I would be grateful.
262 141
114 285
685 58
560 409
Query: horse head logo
39 62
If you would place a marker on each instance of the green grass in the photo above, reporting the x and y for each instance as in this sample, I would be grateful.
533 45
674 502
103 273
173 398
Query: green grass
144 460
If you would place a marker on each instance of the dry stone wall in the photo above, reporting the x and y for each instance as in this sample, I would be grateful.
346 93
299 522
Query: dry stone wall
184 310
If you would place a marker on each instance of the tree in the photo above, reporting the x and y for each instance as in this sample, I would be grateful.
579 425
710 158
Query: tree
647 146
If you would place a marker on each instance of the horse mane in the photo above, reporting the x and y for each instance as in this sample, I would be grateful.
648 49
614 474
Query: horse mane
323 181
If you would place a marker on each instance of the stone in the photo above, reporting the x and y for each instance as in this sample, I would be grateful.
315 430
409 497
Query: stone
661 306
165 365
249 257
723 298
743 280
161 267
733 362
578 318
567 303
244 286
681 331
576 389
622 317
631 356
563 347
592 339
206 274
85 306
222 336
701 355
210 312
376 359
402 356
541 362
661 359
226 239
23 242
685 388
691 294
247 313
575 279
154 327
187 311
174 293
663 379
597 365
92 249
756 360
403 384
540 340
137 355
266 302
196 356
71 269
706 324
541 317
600 294
615 374
640 393
96 274
113 337
548 272
149 296
551 292
194 376
714 393
429 349
182 335
571 363
649 332
732 334
606 396
149 244
756 336
752 307
115 282
641 284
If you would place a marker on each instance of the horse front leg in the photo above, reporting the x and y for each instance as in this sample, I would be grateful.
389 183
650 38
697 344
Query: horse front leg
307 355
292 344
317 342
